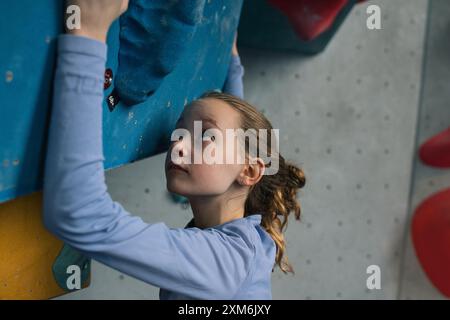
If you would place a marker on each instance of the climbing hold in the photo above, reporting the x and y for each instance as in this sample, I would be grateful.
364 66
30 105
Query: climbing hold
67 257
112 100
153 37
108 78
435 151
9 76
310 18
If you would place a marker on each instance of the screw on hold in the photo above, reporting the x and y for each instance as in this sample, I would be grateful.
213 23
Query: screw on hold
108 78
9 76
112 100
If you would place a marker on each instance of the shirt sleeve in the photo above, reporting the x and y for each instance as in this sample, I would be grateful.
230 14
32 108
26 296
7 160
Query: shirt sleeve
199 263
234 82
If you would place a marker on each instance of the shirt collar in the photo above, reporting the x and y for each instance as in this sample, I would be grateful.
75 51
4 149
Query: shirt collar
253 218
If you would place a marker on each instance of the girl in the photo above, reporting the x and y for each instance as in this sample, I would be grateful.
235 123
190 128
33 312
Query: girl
229 248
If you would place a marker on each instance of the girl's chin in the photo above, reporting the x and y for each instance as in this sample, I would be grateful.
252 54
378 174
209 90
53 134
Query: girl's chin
174 187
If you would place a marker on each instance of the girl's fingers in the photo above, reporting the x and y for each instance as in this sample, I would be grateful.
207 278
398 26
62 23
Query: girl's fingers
124 6
234 49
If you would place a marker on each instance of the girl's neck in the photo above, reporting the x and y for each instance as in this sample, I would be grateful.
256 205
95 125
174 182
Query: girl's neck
210 211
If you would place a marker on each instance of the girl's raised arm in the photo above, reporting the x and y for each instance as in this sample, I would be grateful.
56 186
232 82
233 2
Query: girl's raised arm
234 83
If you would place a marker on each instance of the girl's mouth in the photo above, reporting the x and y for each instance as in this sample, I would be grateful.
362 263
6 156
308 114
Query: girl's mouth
173 166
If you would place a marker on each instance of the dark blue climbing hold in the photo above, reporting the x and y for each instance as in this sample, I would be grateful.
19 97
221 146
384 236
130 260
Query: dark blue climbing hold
70 257
112 100
153 37
176 198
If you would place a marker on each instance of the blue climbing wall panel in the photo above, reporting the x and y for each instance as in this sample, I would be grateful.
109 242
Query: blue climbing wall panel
28 32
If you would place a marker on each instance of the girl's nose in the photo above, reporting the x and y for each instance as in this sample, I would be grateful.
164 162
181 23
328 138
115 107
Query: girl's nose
181 151
181 147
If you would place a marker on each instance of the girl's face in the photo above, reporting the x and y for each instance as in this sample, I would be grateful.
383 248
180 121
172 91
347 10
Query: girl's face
204 179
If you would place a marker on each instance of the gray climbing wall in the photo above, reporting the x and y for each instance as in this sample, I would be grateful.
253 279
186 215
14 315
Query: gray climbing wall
348 116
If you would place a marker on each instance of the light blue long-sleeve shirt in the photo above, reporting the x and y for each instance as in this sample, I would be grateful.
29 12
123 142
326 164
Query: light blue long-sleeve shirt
233 84
233 260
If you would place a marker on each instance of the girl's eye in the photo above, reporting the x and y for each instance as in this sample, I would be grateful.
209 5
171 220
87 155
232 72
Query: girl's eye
180 138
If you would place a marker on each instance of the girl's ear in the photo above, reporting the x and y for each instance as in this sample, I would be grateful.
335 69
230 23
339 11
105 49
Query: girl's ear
253 172
260 165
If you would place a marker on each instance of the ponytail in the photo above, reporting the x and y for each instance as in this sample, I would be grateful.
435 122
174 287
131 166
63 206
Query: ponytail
276 197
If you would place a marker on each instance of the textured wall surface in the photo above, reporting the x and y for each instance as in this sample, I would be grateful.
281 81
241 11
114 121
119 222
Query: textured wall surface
348 116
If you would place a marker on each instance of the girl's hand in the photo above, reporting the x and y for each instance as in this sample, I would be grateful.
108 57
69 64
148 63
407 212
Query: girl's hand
97 16
235 51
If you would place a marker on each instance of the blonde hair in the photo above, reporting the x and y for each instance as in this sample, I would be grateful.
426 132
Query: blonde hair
274 196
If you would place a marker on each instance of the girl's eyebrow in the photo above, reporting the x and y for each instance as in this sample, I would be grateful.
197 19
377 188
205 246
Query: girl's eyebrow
210 120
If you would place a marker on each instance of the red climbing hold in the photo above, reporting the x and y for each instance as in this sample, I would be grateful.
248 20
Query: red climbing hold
436 150
431 238
310 17
108 78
